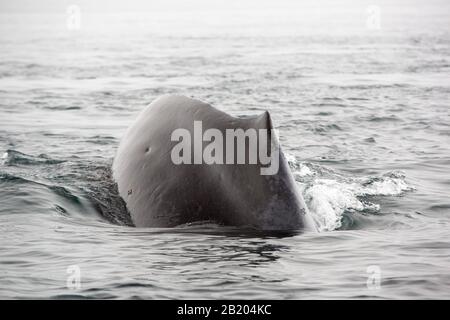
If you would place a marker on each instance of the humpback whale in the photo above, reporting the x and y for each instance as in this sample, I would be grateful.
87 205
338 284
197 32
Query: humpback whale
160 191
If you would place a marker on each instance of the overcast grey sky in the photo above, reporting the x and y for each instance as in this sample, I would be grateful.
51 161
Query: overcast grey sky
199 5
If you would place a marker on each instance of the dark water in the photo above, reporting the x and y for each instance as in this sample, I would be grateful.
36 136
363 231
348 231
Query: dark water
363 116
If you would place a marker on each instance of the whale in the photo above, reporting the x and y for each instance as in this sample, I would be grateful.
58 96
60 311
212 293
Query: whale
162 192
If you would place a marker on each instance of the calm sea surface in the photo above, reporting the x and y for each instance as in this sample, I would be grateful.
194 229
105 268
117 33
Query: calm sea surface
363 115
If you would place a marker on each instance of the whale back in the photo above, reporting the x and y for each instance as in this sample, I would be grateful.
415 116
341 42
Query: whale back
160 193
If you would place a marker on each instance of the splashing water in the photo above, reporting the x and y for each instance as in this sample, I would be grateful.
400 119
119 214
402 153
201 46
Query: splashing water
330 195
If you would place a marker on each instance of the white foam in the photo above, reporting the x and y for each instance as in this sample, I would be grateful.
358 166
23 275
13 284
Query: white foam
328 200
4 158
329 195
390 184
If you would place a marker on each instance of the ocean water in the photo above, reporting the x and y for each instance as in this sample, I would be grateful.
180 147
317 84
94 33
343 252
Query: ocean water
363 116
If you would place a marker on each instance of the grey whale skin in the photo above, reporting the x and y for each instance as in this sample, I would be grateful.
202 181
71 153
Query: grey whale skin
159 193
